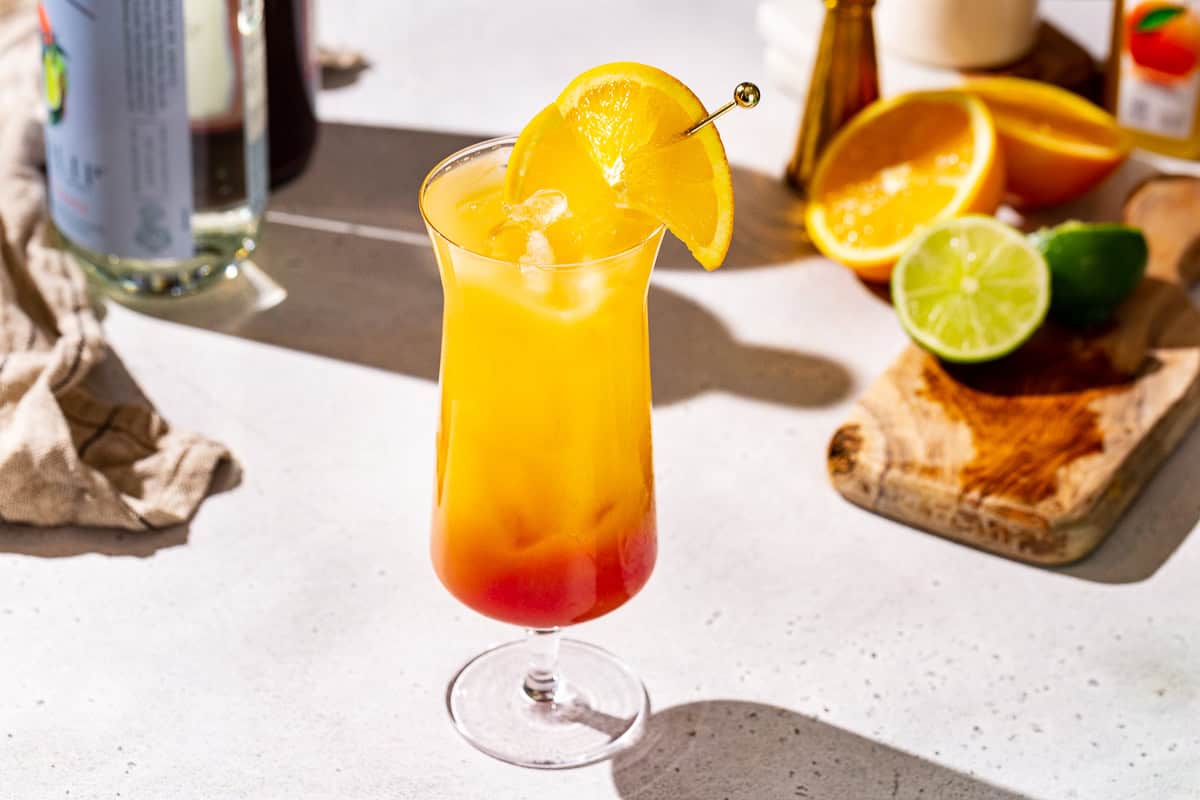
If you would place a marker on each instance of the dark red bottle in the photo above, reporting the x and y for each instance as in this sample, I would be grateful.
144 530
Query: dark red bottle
292 76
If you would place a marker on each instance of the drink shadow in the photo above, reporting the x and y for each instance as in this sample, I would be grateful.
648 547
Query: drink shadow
693 352
748 751
580 713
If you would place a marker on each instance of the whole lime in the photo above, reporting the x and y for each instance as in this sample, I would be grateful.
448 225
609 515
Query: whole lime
1093 268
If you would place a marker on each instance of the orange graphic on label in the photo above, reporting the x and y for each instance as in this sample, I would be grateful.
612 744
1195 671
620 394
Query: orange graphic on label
1163 40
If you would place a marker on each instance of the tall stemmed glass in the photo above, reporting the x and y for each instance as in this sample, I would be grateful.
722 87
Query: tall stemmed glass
544 507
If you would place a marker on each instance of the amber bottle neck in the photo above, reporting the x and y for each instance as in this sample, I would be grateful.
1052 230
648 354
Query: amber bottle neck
851 6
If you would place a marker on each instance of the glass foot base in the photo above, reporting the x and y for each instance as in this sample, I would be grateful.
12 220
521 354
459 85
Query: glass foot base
599 707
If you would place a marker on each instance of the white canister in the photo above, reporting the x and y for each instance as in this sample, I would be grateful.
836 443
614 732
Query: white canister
960 34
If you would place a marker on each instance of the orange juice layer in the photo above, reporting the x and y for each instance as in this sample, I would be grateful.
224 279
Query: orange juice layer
544 512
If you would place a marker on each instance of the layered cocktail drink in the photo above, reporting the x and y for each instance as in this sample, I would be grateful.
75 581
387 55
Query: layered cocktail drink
544 508
544 512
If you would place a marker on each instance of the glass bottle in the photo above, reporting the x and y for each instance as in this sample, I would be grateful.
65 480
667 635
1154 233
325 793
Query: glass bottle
845 79
156 142
292 77
1153 85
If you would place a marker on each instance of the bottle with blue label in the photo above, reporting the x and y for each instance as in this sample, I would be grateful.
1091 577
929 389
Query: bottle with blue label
156 145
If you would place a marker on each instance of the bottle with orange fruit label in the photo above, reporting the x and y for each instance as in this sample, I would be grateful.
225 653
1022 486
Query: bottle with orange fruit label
1154 74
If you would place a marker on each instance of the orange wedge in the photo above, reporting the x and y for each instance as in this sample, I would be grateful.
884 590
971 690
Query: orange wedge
899 165
1056 145
612 143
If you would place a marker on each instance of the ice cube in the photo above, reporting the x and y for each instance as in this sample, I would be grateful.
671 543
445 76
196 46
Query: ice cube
540 210
521 236
538 252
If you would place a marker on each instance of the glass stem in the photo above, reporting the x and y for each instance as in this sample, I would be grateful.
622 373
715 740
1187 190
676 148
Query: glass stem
542 682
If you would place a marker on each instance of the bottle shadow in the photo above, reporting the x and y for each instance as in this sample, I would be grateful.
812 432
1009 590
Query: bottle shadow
378 303
371 176
345 271
748 751
367 176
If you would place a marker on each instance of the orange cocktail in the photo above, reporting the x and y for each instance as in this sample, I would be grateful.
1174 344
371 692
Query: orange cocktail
544 506
544 510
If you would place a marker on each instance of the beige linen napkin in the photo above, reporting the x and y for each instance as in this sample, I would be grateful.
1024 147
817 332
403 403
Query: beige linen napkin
79 444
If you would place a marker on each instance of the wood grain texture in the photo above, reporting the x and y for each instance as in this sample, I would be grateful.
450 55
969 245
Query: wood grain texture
1037 455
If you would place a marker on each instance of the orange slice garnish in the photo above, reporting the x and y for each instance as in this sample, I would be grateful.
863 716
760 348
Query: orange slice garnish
613 144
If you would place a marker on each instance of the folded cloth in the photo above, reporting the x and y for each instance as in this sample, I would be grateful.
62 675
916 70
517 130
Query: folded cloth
79 444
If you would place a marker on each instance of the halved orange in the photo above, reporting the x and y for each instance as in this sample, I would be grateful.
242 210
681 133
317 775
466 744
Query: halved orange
613 143
1056 144
897 166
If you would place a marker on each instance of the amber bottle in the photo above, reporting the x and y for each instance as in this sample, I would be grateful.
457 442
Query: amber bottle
845 79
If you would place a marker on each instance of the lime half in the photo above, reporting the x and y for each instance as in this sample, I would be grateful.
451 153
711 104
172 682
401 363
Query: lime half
971 289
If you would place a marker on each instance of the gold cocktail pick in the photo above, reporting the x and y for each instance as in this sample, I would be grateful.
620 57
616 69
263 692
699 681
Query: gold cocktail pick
746 95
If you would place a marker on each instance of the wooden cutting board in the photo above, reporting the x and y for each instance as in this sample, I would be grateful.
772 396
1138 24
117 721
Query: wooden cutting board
1035 456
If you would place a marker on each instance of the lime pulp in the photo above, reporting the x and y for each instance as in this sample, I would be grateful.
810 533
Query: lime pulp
971 289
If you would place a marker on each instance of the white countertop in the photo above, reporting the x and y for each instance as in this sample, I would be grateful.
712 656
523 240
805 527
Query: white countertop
294 642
